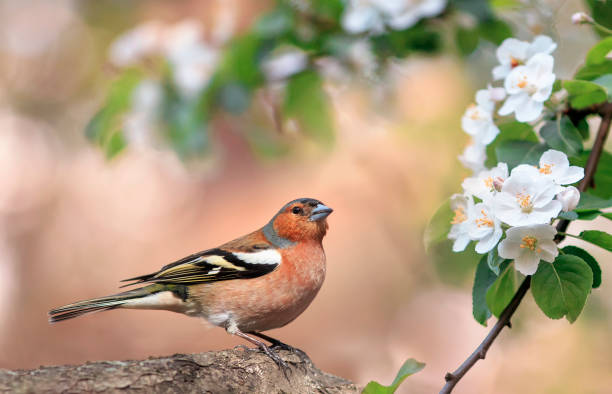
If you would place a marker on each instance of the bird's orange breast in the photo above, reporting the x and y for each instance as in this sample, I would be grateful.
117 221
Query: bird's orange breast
269 301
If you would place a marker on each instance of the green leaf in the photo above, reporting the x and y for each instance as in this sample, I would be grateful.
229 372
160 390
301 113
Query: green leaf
562 135
466 39
583 94
519 152
599 53
494 30
589 202
438 227
571 215
114 145
483 279
509 131
607 215
106 125
603 175
592 72
588 215
306 101
590 260
560 289
601 10
478 8
500 293
494 261
410 367
599 238
605 81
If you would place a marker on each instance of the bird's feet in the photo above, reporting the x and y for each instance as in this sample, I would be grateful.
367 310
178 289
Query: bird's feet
282 364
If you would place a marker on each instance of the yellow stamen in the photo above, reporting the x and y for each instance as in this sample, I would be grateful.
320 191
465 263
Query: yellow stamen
484 220
530 243
489 182
525 202
522 84
546 169
514 62
459 216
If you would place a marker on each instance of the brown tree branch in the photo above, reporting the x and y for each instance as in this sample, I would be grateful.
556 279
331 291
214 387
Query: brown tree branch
453 378
225 371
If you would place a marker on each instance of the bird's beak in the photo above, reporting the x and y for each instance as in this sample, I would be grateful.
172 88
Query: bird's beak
320 212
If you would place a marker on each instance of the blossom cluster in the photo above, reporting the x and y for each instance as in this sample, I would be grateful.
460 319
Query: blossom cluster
373 16
191 59
527 73
521 203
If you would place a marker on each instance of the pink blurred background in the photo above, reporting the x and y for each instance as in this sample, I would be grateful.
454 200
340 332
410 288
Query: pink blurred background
73 224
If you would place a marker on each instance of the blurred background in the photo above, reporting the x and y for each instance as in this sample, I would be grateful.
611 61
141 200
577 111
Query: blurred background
73 223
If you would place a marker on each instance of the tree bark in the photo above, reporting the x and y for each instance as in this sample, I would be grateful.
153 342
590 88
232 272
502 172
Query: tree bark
227 371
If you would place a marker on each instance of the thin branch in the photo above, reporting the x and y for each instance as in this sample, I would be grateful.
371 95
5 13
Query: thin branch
481 351
504 319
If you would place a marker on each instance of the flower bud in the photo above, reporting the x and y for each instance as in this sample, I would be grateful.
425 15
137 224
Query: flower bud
498 183
580 17
569 198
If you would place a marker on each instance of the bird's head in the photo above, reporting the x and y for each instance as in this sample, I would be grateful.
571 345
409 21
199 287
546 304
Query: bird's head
299 220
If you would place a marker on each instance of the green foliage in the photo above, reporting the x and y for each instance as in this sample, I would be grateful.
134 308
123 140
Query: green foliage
500 293
597 63
466 40
509 131
599 238
589 202
561 289
519 152
601 10
562 135
438 227
571 215
483 279
494 261
402 43
603 175
306 102
605 81
583 94
410 367
105 128
590 260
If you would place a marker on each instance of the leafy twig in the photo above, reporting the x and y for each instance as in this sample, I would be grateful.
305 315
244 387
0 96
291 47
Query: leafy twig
504 319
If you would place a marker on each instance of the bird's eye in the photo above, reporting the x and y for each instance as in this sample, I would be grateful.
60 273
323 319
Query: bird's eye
296 210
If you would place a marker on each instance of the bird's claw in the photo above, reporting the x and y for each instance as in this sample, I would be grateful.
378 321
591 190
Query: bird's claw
282 364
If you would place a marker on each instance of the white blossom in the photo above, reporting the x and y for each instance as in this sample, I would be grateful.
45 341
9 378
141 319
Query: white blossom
477 121
462 207
487 183
555 165
484 227
528 87
192 60
135 44
569 198
528 245
362 16
140 122
403 14
474 156
526 198
513 53
285 64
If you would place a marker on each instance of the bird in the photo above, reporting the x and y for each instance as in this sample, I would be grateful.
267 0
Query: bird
258 282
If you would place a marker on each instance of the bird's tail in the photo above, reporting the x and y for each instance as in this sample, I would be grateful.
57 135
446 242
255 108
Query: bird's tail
156 296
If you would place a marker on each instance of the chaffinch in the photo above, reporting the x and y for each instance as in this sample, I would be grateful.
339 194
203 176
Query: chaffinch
255 283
